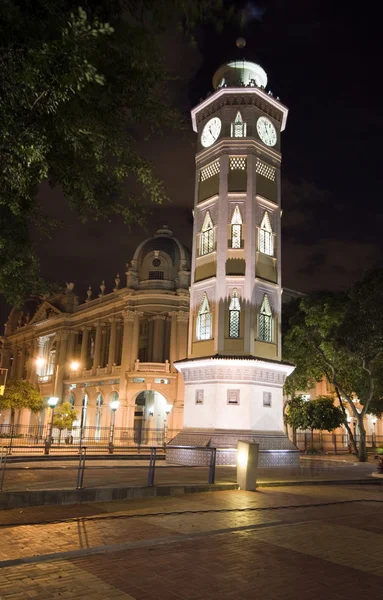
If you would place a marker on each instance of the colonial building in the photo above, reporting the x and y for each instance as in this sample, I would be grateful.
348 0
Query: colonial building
118 345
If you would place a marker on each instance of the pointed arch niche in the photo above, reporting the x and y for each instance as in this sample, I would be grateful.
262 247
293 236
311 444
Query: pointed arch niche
266 241
204 329
238 128
234 315
265 321
207 235
236 228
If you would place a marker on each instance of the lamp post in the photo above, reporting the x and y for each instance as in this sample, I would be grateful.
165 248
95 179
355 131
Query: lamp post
114 406
52 402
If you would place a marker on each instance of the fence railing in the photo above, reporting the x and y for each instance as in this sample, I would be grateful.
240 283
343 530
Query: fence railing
79 465
333 442
31 439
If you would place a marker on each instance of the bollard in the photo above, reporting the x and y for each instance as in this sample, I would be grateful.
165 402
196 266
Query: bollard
3 464
213 457
81 468
247 465
152 467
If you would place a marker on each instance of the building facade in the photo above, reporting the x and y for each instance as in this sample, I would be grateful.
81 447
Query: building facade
120 345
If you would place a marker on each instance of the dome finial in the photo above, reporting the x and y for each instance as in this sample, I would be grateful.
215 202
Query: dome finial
240 42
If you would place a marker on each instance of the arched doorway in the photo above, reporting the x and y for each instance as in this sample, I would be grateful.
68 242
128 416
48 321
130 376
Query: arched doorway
97 429
151 414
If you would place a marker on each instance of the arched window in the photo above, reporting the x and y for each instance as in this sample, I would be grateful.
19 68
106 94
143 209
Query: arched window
207 235
71 400
83 413
204 321
236 228
234 316
265 321
266 236
99 403
238 128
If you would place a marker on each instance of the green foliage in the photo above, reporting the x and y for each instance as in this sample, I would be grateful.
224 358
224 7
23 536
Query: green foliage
21 394
81 83
64 416
320 414
340 336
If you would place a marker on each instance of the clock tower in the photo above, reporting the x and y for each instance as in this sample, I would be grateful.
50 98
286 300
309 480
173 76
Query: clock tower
234 374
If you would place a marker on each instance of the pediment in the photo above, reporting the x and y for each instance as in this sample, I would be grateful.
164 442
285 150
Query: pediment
44 312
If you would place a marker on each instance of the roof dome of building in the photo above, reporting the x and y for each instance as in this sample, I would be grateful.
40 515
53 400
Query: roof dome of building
240 72
160 262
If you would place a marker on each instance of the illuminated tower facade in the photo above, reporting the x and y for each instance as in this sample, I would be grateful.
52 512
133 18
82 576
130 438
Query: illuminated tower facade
234 374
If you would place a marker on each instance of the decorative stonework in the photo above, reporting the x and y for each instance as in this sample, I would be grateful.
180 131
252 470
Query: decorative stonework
199 394
225 373
182 317
209 171
265 170
239 100
129 315
233 397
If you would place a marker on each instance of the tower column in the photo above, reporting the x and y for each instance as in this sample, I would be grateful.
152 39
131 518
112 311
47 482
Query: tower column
97 348
112 344
84 347
219 310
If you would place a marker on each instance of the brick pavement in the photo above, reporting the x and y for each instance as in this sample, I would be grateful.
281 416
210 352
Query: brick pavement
211 546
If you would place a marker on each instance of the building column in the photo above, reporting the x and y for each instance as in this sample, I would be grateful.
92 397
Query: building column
130 343
149 353
84 347
173 337
60 365
97 348
158 338
21 363
182 334
112 345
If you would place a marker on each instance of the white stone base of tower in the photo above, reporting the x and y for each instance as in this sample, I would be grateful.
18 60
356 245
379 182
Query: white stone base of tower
231 399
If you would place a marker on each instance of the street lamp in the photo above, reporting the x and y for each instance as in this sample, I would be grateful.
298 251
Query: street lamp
52 402
114 406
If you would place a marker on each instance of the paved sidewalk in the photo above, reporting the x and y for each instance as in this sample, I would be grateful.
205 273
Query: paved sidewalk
280 543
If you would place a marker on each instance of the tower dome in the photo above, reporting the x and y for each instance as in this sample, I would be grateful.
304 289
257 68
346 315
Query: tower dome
240 72
160 262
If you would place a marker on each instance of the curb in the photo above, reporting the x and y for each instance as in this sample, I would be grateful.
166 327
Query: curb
25 498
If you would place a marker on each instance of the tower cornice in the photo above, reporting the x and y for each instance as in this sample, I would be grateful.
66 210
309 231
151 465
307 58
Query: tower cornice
251 95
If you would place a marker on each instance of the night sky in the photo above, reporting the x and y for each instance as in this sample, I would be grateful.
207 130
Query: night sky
323 59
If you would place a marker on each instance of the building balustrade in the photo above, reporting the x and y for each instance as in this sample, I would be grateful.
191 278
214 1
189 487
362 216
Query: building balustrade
152 366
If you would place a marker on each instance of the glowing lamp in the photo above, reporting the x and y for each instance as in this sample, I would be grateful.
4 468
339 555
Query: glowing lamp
114 404
40 361
52 401
75 365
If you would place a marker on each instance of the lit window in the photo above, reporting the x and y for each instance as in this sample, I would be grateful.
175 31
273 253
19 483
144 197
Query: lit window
234 316
207 236
238 128
236 228
266 236
265 321
204 321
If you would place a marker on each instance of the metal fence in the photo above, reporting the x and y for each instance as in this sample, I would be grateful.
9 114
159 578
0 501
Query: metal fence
70 471
37 439
333 442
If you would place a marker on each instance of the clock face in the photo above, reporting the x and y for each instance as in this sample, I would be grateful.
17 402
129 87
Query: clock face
266 131
211 132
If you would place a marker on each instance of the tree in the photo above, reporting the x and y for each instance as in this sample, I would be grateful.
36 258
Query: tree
320 414
64 417
81 81
21 394
340 336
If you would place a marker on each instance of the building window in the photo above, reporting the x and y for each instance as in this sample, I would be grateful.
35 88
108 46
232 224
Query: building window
99 403
234 316
233 396
156 262
237 163
207 236
266 398
156 274
236 228
266 236
209 171
238 128
265 321
199 396
204 321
